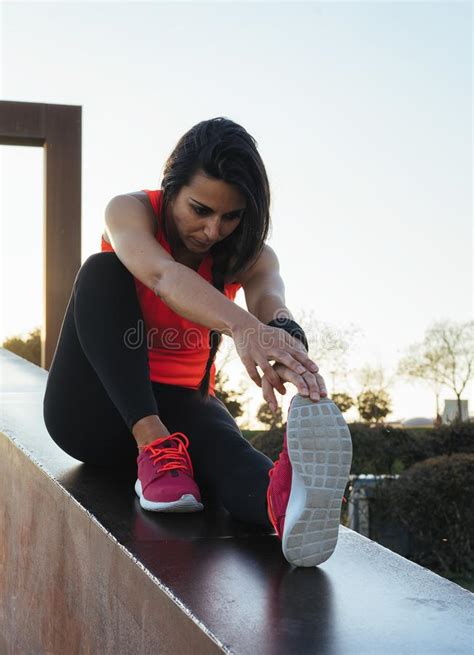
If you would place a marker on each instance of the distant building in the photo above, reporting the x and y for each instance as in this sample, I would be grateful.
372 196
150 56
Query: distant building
394 424
418 422
451 411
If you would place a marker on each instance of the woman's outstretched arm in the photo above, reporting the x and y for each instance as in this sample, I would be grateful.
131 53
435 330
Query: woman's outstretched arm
265 297
130 230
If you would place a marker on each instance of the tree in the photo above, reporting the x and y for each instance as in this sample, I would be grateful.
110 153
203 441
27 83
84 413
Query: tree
373 377
444 358
329 346
373 405
373 402
421 364
29 348
343 401
229 398
265 416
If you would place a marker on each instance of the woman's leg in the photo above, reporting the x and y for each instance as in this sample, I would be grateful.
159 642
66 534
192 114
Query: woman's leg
222 458
98 386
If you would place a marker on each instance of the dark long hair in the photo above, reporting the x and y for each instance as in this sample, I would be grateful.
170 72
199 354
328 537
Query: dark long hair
224 150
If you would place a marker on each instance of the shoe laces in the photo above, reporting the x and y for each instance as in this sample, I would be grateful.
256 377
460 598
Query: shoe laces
171 457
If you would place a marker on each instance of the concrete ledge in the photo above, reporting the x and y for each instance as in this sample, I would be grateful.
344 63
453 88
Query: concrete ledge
83 569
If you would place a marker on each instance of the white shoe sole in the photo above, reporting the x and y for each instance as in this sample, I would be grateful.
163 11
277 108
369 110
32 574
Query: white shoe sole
187 503
320 451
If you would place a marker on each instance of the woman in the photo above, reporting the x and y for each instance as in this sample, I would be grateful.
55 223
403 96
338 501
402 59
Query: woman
134 372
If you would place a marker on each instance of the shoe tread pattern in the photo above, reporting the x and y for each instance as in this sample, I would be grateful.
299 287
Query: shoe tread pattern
320 451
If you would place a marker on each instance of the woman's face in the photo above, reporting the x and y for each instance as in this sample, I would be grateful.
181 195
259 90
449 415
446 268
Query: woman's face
203 213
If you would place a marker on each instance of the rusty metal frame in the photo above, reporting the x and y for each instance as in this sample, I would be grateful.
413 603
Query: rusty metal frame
58 130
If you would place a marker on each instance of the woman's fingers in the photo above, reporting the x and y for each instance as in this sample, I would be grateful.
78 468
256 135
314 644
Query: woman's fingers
311 381
316 385
280 387
307 384
252 371
289 360
295 357
300 354
322 385
269 394
277 345
288 350
308 363
288 375
270 373
268 388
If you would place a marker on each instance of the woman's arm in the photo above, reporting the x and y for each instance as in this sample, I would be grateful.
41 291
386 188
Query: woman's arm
265 297
264 288
130 229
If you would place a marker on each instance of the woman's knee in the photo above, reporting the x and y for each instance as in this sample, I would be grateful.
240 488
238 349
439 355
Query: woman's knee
81 445
242 485
101 265
60 433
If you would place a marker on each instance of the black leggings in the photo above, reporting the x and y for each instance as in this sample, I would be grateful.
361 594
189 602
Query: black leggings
98 388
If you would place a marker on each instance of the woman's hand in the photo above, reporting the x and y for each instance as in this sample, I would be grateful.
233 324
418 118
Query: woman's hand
308 384
257 344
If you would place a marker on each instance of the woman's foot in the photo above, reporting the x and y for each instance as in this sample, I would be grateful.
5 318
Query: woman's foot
307 482
165 476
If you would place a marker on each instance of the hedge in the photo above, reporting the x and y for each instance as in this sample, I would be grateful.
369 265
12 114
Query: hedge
434 500
384 449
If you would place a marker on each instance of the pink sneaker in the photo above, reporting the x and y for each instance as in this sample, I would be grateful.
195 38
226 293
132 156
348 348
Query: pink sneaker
165 476
308 481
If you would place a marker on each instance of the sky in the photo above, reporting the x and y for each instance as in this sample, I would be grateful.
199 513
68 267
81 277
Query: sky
362 115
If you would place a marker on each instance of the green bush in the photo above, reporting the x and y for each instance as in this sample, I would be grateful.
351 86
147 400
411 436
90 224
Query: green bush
269 442
388 450
454 438
250 434
375 450
29 348
434 500
384 449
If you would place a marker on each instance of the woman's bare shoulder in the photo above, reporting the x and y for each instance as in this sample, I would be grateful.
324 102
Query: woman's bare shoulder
142 196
